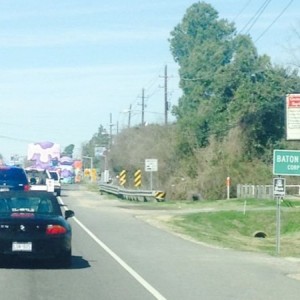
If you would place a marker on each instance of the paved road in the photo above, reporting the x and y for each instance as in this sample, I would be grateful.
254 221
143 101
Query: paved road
119 255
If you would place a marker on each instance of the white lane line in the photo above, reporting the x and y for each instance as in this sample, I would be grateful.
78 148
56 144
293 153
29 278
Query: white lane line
133 273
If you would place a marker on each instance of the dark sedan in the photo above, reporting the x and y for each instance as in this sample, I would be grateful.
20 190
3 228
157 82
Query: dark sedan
32 225
13 178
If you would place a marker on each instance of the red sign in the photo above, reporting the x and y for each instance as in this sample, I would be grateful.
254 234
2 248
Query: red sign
294 101
293 117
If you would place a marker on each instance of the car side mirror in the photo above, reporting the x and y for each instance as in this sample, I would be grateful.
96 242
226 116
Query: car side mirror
69 214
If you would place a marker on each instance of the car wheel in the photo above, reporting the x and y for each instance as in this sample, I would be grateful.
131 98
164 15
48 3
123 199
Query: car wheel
58 193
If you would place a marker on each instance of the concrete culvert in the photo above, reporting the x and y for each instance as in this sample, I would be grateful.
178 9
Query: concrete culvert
196 196
260 234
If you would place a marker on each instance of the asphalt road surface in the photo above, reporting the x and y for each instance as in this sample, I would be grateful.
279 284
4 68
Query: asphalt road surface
118 254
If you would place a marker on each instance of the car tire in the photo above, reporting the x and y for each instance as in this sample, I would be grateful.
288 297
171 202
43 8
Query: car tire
58 193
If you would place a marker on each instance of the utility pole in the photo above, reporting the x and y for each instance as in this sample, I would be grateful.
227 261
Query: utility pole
143 107
129 116
110 130
166 95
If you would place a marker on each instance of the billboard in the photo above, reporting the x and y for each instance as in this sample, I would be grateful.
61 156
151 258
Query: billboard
43 154
292 109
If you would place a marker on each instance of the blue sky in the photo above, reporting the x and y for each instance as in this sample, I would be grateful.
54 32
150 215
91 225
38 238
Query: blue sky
66 66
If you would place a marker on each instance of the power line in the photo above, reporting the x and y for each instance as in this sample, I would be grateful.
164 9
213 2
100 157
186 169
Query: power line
254 19
274 21
134 105
242 10
15 139
260 13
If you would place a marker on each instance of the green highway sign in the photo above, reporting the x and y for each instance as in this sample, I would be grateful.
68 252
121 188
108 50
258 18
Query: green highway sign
286 162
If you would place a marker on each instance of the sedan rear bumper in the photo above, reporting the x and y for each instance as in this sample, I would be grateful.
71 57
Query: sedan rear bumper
36 248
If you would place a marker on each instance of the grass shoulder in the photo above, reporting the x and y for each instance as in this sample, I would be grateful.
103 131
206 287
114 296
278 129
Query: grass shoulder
231 223
235 223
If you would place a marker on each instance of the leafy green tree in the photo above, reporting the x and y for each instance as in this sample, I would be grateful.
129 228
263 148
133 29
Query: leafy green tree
225 84
99 139
229 118
68 151
202 45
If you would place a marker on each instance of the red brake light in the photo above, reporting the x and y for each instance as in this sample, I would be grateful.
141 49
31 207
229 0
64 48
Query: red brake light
55 229
26 187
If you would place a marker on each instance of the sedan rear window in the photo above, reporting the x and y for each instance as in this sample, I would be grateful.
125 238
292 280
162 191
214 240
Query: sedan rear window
27 205
13 174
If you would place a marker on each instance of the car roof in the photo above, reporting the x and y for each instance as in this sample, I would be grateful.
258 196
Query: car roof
34 170
6 167
13 174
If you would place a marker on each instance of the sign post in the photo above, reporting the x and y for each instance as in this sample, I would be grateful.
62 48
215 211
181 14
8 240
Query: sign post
228 187
278 224
151 166
279 193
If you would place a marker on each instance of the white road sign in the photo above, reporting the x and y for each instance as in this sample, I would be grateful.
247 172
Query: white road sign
279 186
151 165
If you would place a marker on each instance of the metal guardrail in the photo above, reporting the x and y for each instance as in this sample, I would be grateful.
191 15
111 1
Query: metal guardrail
243 191
133 195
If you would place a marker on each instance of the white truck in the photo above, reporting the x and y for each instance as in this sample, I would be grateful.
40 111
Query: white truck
44 180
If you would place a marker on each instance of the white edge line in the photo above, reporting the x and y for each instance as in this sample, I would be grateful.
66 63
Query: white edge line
133 273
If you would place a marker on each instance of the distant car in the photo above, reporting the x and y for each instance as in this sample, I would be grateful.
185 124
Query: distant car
40 180
57 184
13 178
37 177
32 225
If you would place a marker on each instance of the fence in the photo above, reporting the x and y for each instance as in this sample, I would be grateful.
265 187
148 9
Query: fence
263 191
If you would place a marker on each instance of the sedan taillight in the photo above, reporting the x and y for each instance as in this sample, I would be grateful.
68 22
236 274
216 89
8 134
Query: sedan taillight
55 229
26 187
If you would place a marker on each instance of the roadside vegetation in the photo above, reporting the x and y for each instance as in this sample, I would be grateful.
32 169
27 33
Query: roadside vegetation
230 118
237 230
240 224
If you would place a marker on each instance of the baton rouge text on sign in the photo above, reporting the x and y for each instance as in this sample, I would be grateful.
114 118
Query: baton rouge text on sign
290 159
286 162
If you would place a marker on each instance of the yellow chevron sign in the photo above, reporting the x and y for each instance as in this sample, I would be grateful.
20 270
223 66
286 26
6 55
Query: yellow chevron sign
138 178
122 177
160 196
